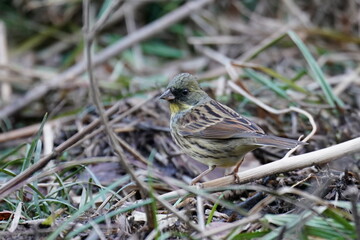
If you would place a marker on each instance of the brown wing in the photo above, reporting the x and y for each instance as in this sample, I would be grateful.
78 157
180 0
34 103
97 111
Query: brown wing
216 121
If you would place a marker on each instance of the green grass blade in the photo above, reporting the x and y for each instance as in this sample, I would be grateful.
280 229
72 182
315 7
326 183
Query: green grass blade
287 81
11 152
250 235
266 81
56 201
89 204
213 209
334 214
34 147
77 231
13 174
62 193
162 50
316 71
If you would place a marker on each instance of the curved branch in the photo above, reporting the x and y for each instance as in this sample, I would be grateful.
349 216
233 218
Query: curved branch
322 156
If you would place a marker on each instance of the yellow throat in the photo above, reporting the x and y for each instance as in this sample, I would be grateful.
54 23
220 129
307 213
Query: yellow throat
177 107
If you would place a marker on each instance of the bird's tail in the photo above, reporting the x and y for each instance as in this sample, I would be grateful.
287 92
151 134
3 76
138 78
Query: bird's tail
273 141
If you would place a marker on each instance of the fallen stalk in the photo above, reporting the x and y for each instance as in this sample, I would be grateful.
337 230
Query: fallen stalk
318 157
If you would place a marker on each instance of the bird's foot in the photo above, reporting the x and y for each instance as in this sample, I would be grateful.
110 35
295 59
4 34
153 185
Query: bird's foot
236 177
197 179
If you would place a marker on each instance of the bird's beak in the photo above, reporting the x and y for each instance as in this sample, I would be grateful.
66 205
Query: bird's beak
167 95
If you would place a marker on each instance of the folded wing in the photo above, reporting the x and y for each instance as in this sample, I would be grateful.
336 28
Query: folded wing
213 120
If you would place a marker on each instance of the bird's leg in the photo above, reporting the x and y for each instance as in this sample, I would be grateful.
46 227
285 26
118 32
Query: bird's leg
236 169
210 169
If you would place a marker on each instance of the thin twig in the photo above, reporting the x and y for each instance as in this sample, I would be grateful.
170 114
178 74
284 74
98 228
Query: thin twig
101 23
116 119
60 167
25 72
95 94
29 130
112 138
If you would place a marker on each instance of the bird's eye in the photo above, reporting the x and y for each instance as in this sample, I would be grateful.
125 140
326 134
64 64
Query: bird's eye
185 91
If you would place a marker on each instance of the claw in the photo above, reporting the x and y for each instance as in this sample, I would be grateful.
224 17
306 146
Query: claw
236 169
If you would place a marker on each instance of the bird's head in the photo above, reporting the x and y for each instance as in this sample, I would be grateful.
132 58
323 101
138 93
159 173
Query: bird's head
183 92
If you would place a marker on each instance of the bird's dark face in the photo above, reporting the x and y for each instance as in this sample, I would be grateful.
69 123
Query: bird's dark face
183 92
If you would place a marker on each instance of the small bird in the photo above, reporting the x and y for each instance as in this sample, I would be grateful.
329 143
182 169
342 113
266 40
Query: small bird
211 132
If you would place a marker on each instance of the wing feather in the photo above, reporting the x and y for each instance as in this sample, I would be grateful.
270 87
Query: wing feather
216 121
